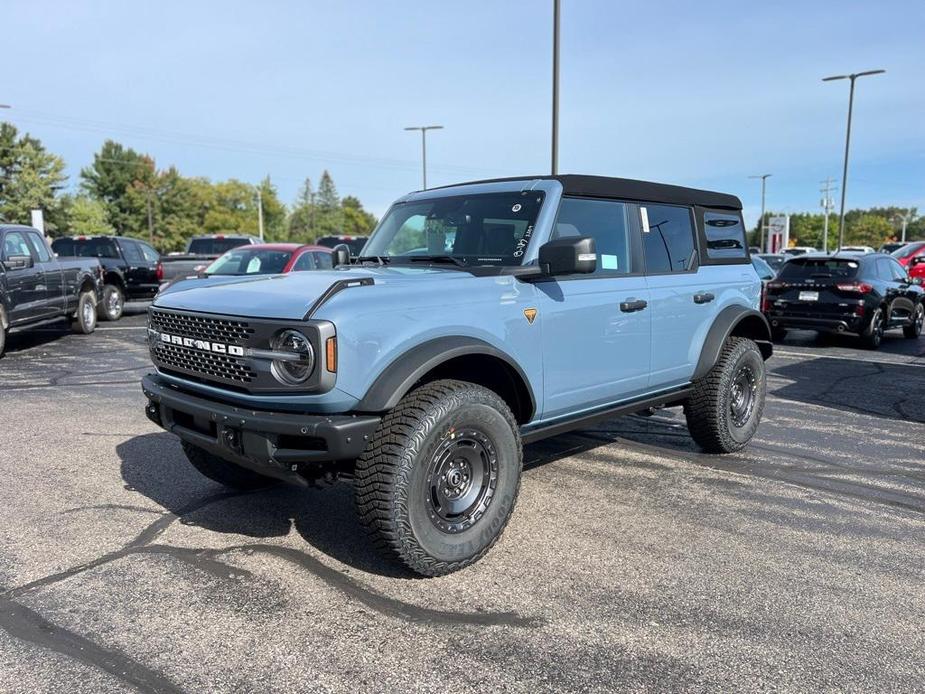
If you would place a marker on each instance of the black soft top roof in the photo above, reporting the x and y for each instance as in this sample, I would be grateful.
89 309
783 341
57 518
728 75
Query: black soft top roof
629 189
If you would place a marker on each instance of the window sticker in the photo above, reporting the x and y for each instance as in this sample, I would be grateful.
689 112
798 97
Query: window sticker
610 262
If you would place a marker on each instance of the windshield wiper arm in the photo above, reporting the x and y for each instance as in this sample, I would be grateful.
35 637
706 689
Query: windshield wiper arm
437 259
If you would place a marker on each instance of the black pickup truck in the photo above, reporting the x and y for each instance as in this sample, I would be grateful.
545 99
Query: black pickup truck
133 270
38 288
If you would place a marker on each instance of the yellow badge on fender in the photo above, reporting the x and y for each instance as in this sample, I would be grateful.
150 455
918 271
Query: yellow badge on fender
530 315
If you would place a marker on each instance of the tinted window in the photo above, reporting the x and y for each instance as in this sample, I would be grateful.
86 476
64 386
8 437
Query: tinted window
909 249
216 246
151 255
14 243
131 252
669 243
725 235
86 248
898 271
41 249
762 268
606 223
304 262
323 261
822 268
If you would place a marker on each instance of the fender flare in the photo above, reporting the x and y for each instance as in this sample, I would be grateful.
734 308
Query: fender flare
756 328
401 374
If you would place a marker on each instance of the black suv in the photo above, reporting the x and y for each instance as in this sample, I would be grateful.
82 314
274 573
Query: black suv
132 268
860 294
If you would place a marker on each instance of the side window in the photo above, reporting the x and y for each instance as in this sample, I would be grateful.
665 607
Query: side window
605 221
668 238
40 247
898 271
15 244
131 252
323 261
151 255
303 263
884 271
725 235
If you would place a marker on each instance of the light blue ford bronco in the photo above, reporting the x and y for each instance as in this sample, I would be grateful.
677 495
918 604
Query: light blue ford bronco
478 317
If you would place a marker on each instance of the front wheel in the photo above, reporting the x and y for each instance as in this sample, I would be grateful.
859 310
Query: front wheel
914 329
725 408
438 482
85 318
113 302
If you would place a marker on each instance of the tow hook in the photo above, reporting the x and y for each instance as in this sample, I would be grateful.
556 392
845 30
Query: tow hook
232 439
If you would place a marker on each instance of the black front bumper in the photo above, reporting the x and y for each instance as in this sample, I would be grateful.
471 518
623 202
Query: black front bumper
284 445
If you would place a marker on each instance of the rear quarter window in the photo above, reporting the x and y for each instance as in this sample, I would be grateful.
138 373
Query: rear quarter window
725 236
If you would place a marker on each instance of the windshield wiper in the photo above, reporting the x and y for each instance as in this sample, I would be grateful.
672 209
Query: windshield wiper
381 259
437 259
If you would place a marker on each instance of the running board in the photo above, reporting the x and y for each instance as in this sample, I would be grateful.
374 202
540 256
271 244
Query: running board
667 399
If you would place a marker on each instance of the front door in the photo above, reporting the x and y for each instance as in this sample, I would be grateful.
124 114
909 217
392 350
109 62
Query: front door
25 284
595 327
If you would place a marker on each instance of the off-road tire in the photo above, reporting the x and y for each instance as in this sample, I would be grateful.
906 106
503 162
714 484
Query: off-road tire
394 476
709 410
112 303
222 471
85 317
873 335
914 329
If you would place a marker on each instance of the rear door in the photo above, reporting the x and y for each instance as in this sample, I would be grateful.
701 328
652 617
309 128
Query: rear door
25 285
148 277
683 296
595 327
52 276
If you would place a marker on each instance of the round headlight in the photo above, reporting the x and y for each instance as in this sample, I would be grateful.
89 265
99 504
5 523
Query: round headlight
297 369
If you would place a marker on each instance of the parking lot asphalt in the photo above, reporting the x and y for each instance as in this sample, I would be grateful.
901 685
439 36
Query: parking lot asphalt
632 562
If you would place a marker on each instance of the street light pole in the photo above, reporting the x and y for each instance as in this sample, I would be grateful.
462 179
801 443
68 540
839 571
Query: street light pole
260 213
827 206
764 178
905 219
844 177
424 129
555 87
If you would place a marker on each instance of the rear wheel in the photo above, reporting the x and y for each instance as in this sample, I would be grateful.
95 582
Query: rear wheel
85 318
2 331
223 472
914 329
113 302
438 483
725 408
873 336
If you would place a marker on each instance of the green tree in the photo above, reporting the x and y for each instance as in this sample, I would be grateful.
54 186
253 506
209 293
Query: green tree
867 230
88 217
274 212
116 171
357 221
301 220
30 178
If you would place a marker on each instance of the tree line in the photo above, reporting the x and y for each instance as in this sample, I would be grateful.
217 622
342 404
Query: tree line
872 227
123 192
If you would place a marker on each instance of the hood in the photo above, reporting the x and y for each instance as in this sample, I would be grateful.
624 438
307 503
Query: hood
285 297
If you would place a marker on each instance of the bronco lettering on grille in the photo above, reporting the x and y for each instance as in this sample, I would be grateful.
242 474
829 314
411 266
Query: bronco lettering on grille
204 345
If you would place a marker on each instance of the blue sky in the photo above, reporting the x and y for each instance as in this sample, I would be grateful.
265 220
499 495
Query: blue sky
699 94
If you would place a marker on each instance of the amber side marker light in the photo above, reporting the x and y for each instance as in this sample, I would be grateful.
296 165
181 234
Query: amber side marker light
330 347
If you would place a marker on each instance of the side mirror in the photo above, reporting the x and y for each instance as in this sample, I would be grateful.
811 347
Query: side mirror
340 254
18 262
568 256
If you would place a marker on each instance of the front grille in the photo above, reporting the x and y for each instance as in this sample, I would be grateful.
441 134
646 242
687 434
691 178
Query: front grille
233 332
206 364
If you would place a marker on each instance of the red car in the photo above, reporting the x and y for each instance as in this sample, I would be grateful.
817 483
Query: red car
270 259
906 254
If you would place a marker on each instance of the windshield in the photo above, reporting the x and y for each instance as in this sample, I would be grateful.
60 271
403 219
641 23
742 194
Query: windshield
86 248
486 229
822 268
908 249
244 261
215 246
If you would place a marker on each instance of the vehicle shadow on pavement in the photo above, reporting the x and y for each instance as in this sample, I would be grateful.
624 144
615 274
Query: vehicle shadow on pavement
154 465
891 391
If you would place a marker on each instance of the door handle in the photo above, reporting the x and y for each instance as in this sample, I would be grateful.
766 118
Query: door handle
703 298
633 305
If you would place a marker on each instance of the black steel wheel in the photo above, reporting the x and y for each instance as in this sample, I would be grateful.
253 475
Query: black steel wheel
725 408
439 480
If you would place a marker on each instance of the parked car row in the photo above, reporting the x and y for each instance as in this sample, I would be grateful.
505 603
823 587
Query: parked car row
89 277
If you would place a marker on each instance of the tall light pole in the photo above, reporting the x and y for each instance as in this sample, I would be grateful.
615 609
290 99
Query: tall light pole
260 213
905 219
844 176
424 129
827 205
764 178
555 87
